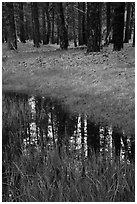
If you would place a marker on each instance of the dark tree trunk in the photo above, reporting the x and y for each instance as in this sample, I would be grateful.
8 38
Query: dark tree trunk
84 22
35 22
21 15
58 35
10 22
43 26
116 136
48 23
4 31
74 29
93 139
132 20
63 34
81 23
118 25
134 37
128 17
93 27
26 29
108 15
52 33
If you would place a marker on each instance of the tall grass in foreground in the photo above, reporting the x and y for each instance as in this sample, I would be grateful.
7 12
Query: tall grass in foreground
47 177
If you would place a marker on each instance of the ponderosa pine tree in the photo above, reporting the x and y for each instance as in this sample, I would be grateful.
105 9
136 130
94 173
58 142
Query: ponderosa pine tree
118 25
74 26
21 22
134 37
81 23
63 33
35 23
52 24
132 20
10 25
43 26
93 26
48 22
108 22
128 18
4 29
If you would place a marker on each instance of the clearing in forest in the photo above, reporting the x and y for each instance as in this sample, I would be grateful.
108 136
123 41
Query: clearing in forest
100 84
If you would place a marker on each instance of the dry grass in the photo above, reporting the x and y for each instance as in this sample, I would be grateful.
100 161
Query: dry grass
53 179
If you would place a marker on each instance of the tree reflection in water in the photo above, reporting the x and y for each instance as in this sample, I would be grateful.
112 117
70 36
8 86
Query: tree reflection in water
32 125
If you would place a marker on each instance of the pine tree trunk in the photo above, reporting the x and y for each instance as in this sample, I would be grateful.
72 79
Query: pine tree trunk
35 22
63 34
108 8
52 33
11 32
131 21
93 27
84 23
133 45
128 17
21 15
48 24
81 23
57 33
43 26
26 29
74 31
118 25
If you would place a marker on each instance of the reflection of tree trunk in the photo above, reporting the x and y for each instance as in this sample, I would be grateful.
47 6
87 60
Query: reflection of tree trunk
124 139
82 134
132 158
52 126
29 133
93 140
82 143
116 136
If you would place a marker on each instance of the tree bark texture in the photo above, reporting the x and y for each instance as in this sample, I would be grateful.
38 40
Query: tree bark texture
128 17
132 20
21 15
10 22
118 25
74 27
48 23
35 23
63 33
81 23
52 25
43 26
93 27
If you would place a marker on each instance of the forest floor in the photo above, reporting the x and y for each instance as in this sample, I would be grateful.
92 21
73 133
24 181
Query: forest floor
102 85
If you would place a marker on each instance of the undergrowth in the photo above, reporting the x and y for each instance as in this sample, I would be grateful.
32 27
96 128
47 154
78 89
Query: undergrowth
50 177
